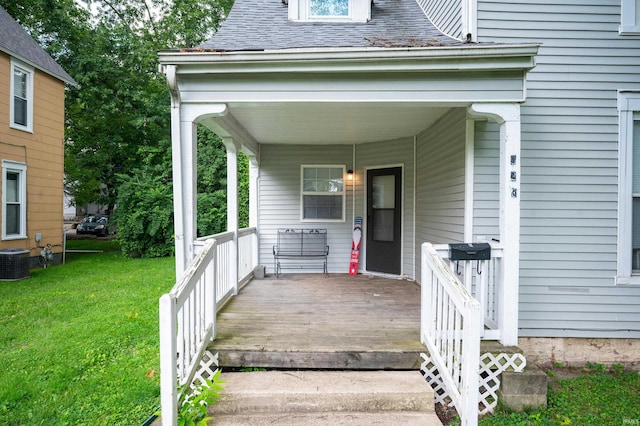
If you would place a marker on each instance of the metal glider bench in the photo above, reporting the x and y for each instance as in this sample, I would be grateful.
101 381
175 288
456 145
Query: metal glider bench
298 246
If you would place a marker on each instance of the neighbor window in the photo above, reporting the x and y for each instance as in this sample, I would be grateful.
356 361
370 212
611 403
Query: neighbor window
322 191
14 196
21 102
630 17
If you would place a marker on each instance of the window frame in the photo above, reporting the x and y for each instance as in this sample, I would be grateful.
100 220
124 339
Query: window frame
359 12
21 169
628 112
629 24
342 193
28 70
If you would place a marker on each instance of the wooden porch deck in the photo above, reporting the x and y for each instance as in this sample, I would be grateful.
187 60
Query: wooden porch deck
314 321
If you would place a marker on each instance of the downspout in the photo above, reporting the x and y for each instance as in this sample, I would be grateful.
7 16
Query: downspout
469 21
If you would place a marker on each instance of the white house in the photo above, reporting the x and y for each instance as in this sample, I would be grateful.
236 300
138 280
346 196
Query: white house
491 120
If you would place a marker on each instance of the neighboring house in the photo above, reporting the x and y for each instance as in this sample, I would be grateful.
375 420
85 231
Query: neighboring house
32 94
461 121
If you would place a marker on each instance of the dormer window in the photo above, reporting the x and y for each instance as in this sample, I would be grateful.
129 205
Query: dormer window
330 10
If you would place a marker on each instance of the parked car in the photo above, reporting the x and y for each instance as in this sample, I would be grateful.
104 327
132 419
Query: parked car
96 225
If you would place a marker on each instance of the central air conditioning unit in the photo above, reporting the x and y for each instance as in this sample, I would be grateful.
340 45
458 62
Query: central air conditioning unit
14 264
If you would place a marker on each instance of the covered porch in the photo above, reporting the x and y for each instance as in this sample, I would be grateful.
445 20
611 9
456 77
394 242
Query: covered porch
312 321
446 121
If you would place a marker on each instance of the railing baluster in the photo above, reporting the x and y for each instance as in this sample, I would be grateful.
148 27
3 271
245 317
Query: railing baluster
188 312
454 346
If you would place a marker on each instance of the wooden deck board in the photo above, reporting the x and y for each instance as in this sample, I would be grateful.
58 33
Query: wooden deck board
315 321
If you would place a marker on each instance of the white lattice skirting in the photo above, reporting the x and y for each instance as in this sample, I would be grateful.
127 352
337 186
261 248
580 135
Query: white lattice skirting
208 367
491 366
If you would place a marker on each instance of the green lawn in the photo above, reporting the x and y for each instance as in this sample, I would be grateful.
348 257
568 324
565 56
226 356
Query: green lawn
582 397
79 342
79 346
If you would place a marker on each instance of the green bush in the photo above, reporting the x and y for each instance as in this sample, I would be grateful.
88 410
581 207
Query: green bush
144 216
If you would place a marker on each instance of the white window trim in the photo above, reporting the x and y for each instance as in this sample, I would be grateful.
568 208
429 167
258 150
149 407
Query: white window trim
628 104
628 22
21 169
29 71
359 11
343 193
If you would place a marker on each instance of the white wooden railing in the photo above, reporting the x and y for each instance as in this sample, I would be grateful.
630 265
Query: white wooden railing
449 329
188 311
482 279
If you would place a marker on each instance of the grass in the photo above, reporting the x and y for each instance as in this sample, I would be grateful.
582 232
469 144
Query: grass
79 342
592 396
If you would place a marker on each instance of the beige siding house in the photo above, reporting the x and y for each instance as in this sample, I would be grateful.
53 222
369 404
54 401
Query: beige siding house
32 90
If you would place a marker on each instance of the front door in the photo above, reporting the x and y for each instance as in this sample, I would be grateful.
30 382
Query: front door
384 220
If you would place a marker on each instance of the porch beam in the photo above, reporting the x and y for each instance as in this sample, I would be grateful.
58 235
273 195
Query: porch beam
507 115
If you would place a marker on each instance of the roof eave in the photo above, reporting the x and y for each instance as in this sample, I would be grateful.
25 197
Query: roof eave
442 58
64 78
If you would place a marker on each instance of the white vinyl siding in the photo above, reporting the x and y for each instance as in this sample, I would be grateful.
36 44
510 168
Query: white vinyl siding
14 200
446 15
21 102
569 176
486 182
441 180
280 201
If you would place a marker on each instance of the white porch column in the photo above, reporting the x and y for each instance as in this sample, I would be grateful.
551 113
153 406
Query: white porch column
254 173
232 206
183 151
507 115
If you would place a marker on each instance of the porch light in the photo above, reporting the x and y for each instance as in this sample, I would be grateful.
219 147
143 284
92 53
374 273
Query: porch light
350 174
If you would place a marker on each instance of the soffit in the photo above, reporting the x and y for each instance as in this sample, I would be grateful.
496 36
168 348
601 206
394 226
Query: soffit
334 123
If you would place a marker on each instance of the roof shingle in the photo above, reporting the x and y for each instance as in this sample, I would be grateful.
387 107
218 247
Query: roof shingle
15 41
264 25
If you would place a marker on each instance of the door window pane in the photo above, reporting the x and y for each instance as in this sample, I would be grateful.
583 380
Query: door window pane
384 192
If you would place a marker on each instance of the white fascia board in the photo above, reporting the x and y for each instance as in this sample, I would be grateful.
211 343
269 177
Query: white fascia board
458 58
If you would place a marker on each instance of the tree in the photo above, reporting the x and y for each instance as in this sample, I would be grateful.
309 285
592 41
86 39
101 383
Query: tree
121 104
117 138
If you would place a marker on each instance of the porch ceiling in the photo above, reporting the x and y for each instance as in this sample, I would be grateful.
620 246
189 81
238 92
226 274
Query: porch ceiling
334 123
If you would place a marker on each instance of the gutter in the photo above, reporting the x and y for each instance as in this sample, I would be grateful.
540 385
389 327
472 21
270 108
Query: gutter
459 57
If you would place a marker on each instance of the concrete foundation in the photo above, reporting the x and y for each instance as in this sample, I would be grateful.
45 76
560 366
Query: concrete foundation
576 352
527 389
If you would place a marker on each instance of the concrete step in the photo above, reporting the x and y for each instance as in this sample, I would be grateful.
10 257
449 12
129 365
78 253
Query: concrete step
325 397
387 418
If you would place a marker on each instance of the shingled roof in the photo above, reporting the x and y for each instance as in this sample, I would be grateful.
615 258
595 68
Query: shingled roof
264 25
15 41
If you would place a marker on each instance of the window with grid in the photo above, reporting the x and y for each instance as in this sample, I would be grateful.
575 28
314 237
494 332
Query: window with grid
323 193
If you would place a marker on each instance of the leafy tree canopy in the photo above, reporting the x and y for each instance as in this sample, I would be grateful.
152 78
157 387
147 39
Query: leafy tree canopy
117 135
